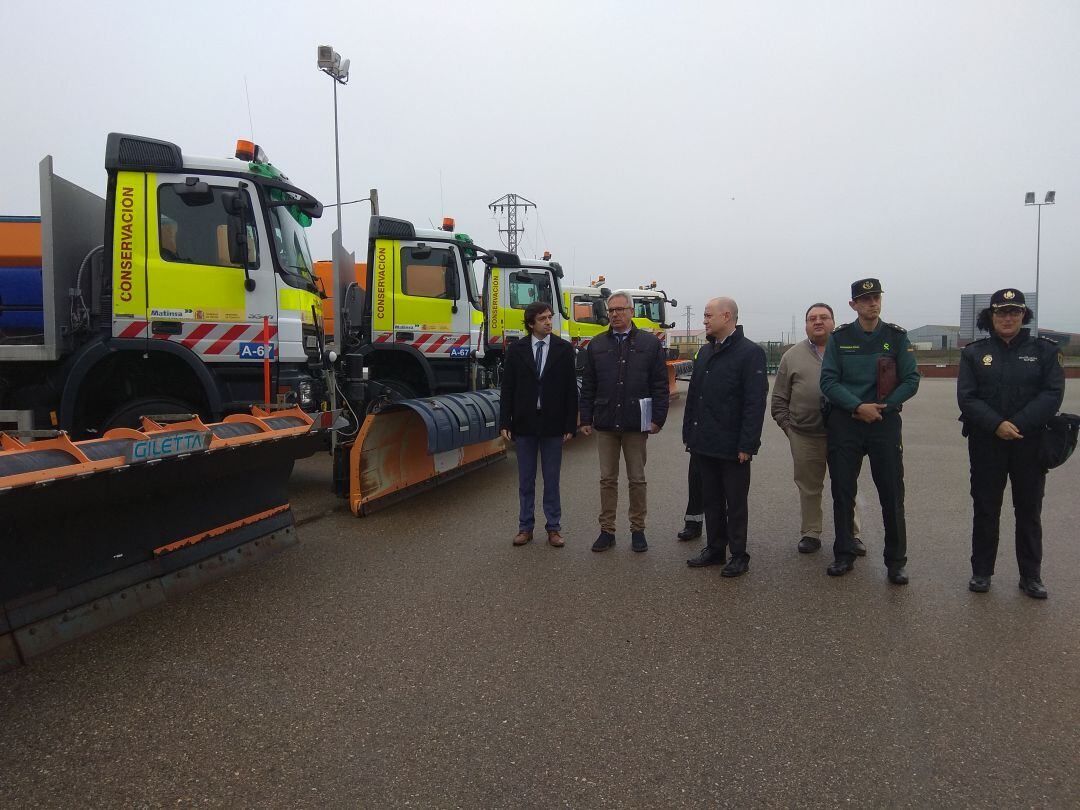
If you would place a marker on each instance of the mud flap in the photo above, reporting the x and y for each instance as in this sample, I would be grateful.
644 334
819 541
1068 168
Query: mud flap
416 444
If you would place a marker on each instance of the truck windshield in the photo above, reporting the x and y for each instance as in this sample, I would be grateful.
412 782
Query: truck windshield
524 292
291 246
649 308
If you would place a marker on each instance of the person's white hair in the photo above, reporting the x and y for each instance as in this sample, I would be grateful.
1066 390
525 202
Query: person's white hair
621 295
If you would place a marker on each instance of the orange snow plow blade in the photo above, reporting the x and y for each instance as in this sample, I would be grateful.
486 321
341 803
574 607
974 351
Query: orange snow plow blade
416 444
98 530
678 370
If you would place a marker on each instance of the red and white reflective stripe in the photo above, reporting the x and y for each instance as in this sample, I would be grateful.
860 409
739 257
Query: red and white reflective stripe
218 340
495 340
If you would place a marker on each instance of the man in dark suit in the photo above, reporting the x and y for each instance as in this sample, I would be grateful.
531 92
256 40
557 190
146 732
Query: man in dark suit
538 411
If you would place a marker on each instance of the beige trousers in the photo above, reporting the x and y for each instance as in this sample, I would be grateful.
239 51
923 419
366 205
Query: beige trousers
610 444
809 455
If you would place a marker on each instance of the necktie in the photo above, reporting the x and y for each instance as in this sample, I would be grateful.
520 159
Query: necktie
539 367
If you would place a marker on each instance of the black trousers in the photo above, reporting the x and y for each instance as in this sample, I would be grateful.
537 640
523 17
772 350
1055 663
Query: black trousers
726 486
994 460
695 509
848 441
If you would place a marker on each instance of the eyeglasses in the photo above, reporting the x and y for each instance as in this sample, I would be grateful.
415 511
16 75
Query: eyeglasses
618 309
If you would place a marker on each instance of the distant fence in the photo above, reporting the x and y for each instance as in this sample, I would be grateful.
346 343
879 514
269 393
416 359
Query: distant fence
934 370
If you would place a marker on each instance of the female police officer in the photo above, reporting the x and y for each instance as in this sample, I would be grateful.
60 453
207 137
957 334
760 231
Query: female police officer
1010 384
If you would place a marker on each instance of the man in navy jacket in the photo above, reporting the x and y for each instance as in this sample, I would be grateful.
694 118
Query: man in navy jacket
725 409
538 411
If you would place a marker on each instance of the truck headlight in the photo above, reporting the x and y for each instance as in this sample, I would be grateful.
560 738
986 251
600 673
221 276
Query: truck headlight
304 396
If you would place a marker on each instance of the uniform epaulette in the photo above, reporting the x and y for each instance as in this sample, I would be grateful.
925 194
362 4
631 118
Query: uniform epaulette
842 327
899 329
978 340
1051 341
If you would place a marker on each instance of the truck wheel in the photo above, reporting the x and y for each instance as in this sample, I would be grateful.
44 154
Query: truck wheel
127 415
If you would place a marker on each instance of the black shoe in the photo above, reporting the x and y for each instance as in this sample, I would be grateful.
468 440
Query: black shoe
808 545
605 541
860 549
708 556
737 567
979 584
1033 587
692 531
638 542
837 568
898 576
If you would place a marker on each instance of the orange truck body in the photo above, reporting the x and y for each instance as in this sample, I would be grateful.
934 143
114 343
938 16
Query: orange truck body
324 271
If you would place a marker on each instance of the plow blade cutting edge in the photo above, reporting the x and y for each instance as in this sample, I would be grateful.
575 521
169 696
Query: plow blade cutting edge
416 444
678 370
95 531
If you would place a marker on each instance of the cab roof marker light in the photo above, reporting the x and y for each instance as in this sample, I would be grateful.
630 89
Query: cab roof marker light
448 223
245 150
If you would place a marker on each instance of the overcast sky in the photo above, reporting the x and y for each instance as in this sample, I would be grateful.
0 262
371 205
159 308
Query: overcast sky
773 152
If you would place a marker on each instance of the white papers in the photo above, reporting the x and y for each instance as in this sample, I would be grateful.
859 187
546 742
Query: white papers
646 413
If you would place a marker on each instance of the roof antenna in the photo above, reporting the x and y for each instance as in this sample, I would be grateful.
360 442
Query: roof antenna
251 123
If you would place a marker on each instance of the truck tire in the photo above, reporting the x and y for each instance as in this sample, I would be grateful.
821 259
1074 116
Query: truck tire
127 415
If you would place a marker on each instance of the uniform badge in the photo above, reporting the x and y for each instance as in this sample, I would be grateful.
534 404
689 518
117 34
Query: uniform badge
1008 295
988 359
868 285
886 346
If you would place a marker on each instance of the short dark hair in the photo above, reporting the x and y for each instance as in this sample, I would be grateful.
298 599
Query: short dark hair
535 310
815 306
984 323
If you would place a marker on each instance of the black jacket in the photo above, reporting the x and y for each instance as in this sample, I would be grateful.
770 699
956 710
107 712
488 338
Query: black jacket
725 406
557 390
616 377
1023 382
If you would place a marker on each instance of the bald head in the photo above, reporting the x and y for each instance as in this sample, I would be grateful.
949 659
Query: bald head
721 316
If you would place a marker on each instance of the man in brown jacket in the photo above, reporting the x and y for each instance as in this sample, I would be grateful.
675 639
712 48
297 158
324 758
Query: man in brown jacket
796 408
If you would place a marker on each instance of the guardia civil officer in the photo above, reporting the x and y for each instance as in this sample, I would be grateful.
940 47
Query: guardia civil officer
867 373
1010 384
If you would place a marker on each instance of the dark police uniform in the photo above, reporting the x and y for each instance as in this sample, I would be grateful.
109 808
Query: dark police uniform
1022 382
849 378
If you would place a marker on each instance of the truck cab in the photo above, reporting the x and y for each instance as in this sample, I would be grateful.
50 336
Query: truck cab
650 310
587 307
201 270
510 285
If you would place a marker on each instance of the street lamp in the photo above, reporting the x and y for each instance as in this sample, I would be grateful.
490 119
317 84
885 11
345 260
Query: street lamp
1029 199
331 63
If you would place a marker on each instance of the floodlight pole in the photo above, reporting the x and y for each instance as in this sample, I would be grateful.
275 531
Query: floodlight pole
1048 200
339 72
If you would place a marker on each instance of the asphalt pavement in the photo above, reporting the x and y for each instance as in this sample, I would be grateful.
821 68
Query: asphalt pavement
416 658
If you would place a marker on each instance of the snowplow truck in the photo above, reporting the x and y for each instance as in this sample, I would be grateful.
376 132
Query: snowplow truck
587 307
166 296
423 346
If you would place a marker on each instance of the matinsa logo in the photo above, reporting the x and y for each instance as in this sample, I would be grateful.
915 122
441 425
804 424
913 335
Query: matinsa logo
255 351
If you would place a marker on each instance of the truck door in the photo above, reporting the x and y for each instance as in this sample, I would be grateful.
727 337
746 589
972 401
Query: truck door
432 310
195 284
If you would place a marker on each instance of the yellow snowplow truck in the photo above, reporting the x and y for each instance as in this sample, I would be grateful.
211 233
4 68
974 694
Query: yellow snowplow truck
510 285
148 322
176 293
423 347
587 307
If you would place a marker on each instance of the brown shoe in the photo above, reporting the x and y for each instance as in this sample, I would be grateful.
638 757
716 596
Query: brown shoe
521 538
556 539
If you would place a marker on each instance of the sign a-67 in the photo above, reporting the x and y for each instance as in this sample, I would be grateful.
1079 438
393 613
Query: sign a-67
255 351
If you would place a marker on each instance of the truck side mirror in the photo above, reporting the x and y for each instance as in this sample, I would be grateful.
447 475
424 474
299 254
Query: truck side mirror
673 302
599 309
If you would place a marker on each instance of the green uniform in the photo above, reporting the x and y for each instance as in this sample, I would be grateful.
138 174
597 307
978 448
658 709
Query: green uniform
849 378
